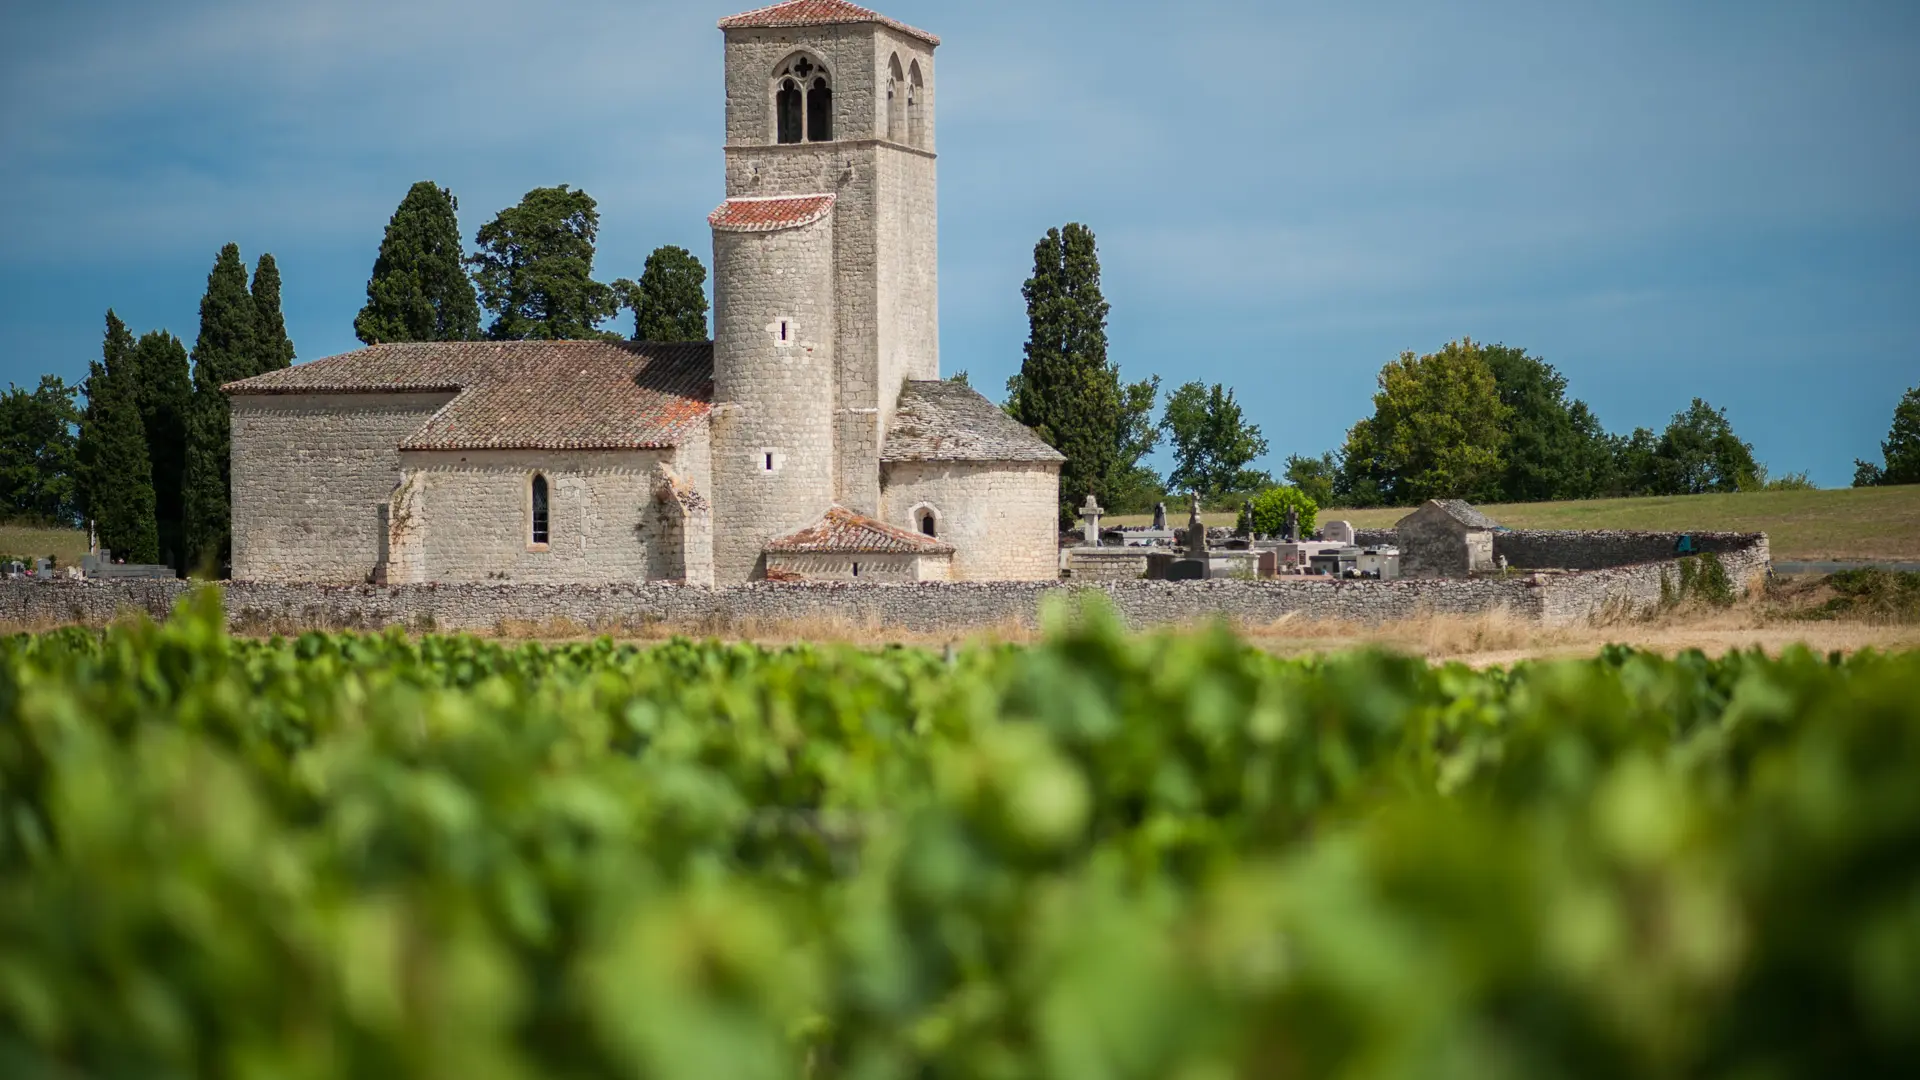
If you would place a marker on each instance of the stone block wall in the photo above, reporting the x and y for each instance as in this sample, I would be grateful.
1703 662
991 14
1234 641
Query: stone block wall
311 473
1597 550
771 397
466 516
1000 516
822 566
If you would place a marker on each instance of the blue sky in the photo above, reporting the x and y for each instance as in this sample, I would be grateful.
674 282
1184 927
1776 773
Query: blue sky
1664 200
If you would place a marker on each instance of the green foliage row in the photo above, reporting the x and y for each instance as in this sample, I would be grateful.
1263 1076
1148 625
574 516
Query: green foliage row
1102 857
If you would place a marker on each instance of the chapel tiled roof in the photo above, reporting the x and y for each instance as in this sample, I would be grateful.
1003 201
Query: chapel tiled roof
843 532
949 421
770 214
524 395
796 13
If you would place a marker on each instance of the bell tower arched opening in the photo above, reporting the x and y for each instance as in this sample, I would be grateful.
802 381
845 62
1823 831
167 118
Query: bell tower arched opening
802 100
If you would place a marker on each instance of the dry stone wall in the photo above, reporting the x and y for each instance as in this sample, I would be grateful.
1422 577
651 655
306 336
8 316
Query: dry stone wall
929 608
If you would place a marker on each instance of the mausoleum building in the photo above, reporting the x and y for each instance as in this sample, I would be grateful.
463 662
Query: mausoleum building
811 436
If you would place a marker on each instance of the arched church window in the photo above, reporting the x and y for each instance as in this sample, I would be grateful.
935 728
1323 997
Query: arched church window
896 118
916 106
928 525
803 101
541 533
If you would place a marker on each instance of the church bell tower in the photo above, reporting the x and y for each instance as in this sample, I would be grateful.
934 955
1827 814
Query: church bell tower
826 287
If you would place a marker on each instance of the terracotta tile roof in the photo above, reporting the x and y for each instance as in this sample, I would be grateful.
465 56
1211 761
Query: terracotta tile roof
949 421
524 395
817 13
770 214
842 531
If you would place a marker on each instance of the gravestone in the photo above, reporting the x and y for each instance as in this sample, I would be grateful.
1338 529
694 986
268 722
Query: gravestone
1338 532
1090 516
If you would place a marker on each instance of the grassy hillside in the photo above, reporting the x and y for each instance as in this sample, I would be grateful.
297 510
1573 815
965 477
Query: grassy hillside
67 546
1855 523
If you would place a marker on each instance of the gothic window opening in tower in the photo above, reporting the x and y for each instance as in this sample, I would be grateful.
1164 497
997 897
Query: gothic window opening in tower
896 118
916 107
803 101
928 525
541 533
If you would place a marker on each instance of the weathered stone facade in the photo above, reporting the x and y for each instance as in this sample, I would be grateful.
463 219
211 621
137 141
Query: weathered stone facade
310 474
1002 517
422 463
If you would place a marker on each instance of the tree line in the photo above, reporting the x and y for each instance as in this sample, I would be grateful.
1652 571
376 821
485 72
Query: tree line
1487 423
141 448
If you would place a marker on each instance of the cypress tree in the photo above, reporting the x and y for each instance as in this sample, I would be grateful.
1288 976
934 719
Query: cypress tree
419 290
113 452
226 351
165 386
670 302
1066 390
276 348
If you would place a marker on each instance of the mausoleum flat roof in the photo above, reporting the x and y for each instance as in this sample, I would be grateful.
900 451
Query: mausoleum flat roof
771 213
797 13
843 532
524 395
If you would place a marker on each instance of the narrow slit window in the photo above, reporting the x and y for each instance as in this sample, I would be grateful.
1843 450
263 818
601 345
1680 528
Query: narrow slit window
856 569
541 532
769 462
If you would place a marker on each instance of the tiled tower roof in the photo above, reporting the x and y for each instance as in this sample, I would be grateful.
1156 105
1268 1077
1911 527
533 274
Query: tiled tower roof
796 13
770 214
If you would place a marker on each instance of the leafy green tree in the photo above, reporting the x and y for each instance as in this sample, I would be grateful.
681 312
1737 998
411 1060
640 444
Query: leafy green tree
275 347
1135 486
165 384
1698 453
1313 476
227 351
419 290
1556 448
39 453
1066 390
116 478
1901 451
1212 442
1438 431
670 301
534 269
1270 512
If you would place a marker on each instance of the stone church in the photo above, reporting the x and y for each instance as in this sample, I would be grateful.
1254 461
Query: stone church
812 439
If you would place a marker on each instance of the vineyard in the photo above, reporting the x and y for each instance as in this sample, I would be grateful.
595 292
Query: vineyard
1104 857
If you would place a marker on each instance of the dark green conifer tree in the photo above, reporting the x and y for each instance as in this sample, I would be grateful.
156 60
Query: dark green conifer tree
670 302
227 351
419 290
165 387
1066 390
275 347
534 269
117 481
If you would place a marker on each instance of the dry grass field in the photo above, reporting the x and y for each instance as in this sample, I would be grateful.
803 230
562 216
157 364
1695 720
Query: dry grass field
1847 524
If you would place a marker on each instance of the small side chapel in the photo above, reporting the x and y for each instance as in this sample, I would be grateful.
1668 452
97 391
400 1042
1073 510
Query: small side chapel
811 439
